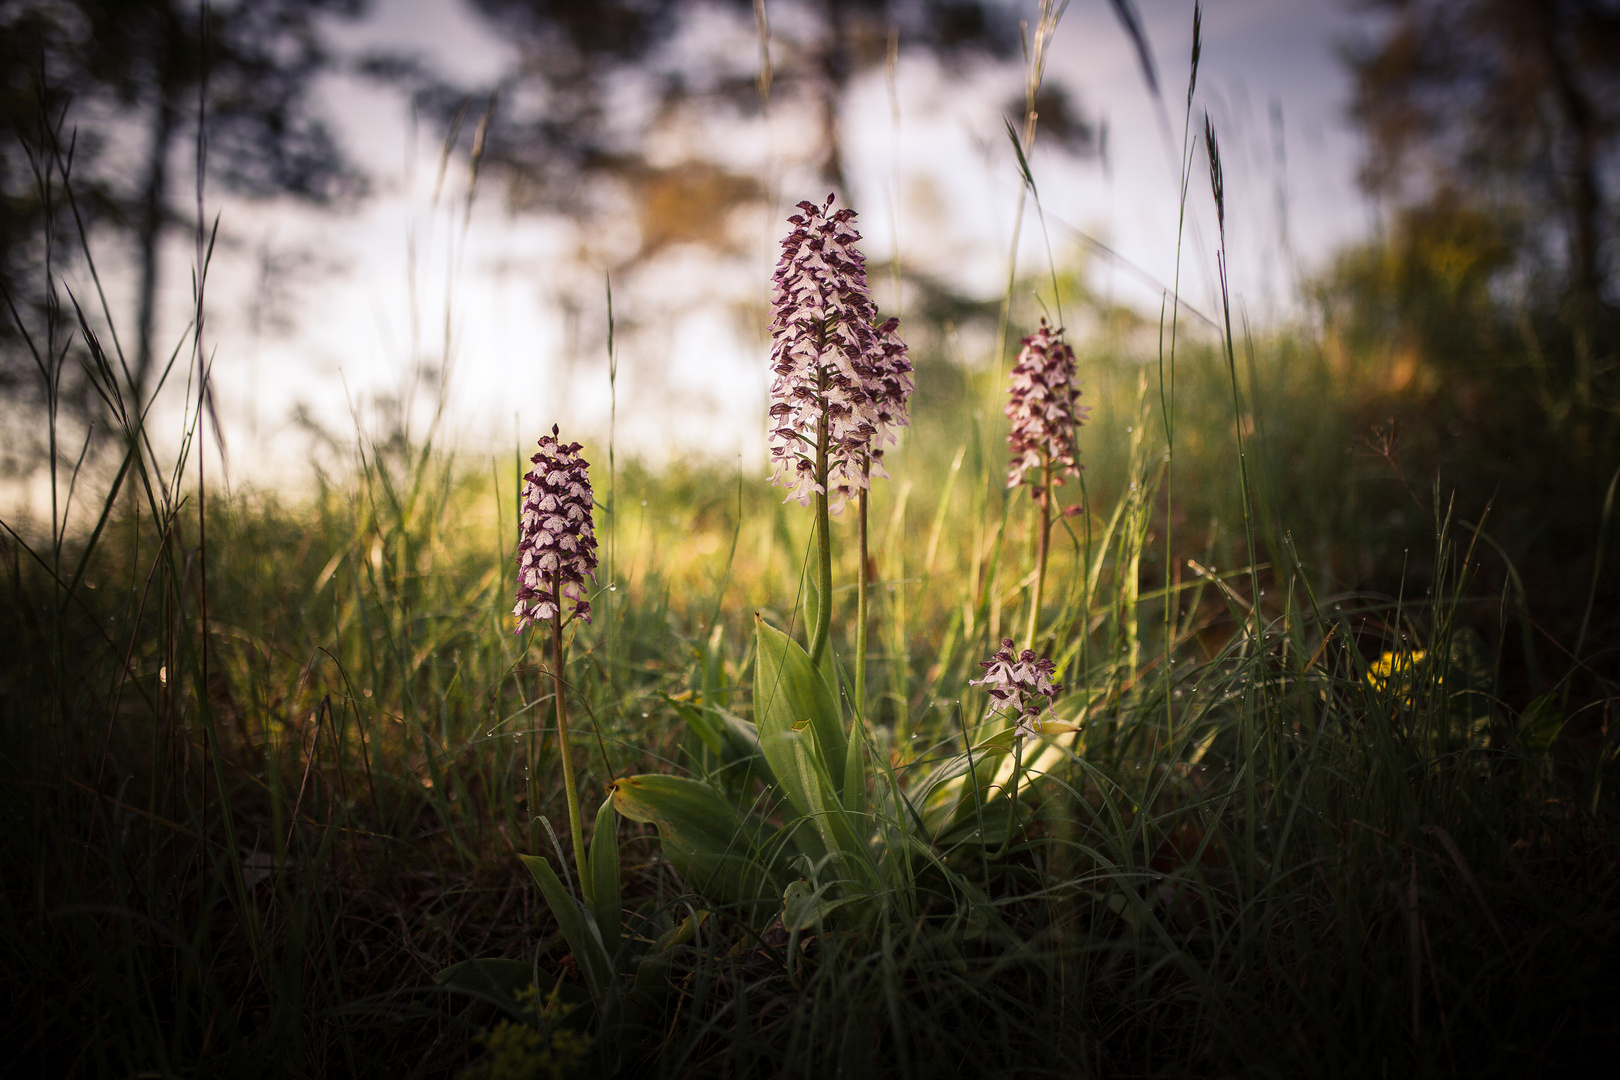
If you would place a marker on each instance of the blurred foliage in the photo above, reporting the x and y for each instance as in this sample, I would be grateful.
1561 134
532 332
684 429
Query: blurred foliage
1515 104
1483 318
110 90
1425 293
599 87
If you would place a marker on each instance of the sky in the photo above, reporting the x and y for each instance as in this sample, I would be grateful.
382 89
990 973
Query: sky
320 313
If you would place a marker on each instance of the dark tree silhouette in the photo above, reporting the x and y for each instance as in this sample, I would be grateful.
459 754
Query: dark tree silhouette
556 127
116 82
1511 105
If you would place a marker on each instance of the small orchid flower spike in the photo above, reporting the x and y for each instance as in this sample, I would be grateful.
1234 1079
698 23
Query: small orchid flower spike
1020 685
1043 406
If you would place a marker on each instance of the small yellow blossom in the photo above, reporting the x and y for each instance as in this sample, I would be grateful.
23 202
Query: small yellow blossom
1395 672
523 1051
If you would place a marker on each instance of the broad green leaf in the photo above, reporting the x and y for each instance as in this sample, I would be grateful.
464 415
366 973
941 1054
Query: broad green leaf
855 770
577 925
816 787
843 835
792 703
703 723
1540 725
959 785
742 740
716 851
986 824
828 669
606 904
733 741
804 906
954 798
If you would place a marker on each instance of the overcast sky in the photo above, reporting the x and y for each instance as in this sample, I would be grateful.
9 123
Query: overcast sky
315 309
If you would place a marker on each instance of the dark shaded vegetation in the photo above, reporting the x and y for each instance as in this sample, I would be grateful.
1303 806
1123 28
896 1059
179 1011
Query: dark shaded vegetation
1349 811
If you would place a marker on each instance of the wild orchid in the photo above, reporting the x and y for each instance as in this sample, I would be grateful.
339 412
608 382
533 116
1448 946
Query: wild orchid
556 552
840 390
1045 414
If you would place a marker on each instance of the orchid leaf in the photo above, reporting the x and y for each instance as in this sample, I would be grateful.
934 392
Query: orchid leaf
717 852
578 927
606 902
805 907
792 701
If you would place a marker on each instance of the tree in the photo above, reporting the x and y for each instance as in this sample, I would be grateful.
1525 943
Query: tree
117 84
557 129
1513 106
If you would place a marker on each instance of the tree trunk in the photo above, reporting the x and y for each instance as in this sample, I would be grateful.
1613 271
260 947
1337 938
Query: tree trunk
1581 195
154 211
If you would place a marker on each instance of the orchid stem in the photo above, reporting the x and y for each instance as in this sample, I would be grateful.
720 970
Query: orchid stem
861 609
571 789
1042 543
823 536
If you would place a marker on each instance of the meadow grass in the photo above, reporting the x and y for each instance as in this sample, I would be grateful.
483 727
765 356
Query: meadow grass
1265 854
269 762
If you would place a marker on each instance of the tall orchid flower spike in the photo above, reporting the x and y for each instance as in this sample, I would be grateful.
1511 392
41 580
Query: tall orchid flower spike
556 540
556 553
838 393
831 364
1043 405
1020 686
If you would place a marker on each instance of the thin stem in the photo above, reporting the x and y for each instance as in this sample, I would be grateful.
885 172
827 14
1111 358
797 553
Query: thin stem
861 601
818 639
1042 545
576 830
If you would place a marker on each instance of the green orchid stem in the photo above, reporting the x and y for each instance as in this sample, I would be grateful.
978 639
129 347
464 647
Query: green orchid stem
818 637
575 827
861 602
1042 544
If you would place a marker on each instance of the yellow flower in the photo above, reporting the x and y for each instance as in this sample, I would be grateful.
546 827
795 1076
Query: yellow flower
524 1051
1396 672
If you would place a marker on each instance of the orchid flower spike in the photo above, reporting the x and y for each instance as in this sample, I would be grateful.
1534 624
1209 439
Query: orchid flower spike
1020 686
830 358
556 540
1043 407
